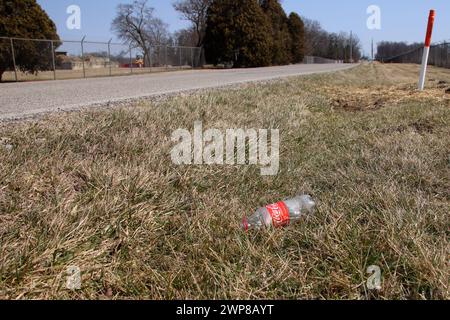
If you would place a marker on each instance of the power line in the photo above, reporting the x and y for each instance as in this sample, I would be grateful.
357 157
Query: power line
435 44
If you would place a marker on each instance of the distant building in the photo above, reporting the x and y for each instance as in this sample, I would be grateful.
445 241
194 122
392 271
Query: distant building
65 62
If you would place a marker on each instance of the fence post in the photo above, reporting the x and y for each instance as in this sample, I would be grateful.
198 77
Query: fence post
82 56
180 50
426 50
109 57
436 58
14 59
53 60
192 57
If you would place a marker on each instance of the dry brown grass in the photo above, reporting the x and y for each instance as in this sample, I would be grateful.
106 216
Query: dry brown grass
97 190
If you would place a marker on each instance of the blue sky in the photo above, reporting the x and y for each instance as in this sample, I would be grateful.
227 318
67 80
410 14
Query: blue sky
403 20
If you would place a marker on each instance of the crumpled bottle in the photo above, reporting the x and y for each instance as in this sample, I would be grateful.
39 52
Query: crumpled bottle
280 214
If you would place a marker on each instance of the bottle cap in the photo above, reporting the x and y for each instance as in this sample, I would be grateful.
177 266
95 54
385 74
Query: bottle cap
245 223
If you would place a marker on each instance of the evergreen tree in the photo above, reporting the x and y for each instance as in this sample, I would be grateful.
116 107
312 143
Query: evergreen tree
281 37
297 31
26 19
237 31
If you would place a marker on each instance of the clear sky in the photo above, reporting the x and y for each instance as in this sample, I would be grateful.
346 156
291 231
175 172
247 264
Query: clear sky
401 20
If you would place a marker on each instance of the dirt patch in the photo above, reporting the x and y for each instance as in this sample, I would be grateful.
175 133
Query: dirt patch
367 99
357 103
420 126
359 99
442 84
5 144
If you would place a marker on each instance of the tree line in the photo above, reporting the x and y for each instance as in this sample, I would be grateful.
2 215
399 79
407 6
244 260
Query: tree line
250 33
259 33
337 46
240 33
391 49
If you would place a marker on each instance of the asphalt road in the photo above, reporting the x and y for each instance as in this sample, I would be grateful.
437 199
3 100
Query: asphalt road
21 100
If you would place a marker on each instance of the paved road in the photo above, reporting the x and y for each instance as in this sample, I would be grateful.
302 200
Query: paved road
20 100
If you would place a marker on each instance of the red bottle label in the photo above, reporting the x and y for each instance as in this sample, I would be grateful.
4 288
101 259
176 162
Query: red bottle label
280 214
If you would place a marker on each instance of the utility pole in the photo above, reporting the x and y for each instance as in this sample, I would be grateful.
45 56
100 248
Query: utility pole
13 54
372 51
82 56
446 48
109 57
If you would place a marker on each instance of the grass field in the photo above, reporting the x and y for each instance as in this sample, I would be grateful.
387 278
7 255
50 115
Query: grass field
98 190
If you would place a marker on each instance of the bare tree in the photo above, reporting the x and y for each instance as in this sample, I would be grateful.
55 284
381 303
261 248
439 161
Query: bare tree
157 32
194 11
321 43
136 25
387 50
315 37
186 37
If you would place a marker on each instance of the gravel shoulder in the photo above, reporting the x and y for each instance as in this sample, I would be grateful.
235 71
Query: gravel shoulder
28 99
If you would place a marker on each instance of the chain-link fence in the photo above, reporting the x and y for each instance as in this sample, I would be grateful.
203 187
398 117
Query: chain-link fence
34 59
319 60
439 56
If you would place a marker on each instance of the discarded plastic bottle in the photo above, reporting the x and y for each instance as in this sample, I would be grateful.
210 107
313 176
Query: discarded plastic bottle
281 214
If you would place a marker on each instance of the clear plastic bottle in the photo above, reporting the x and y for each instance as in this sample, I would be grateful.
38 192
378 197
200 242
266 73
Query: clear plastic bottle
281 214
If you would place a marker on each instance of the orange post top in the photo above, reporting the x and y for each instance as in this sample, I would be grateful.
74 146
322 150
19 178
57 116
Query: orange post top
430 28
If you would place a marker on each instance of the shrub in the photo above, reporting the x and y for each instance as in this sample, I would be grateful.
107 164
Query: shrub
25 19
237 32
281 38
297 31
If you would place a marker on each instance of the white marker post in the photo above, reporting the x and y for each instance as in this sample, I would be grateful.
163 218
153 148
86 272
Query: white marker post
426 50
